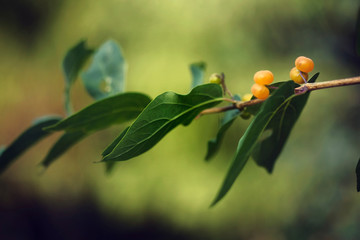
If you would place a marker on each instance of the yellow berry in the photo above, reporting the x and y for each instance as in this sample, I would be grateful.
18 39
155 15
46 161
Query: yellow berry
304 64
263 77
215 78
260 91
246 97
296 77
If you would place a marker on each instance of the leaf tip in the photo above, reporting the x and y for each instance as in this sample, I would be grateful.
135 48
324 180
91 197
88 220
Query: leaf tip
215 201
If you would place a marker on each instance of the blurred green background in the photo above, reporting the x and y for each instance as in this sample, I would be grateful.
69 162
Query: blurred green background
165 193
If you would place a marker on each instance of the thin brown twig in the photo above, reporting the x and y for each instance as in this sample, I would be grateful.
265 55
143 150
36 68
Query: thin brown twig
299 90
328 84
216 110
241 105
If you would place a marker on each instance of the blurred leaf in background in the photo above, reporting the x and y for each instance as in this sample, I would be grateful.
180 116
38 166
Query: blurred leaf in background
197 72
106 75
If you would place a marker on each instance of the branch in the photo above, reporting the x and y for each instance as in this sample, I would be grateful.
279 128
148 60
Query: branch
299 90
328 84
216 110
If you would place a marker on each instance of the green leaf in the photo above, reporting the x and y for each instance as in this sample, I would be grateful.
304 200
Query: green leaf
111 147
64 143
72 63
358 176
28 138
106 75
110 164
226 122
163 114
104 113
268 149
197 72
252 134
101 114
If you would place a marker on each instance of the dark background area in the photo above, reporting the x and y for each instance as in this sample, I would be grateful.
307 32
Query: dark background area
165 193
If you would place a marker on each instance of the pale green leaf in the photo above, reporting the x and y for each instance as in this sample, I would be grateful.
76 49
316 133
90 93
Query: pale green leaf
197 73
106 74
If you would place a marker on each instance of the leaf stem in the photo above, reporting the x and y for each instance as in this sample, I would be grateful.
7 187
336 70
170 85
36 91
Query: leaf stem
299 90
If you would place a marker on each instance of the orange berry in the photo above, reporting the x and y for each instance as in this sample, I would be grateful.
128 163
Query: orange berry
260 91
263 77
296 77
304 64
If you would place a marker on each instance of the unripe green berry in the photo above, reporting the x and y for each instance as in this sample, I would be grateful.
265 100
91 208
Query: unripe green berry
215 78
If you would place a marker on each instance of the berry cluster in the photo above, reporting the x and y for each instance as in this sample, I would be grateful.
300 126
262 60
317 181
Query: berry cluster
303 66
262 78
298 74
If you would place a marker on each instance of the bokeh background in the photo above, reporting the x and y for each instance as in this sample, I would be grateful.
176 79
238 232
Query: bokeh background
165 193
